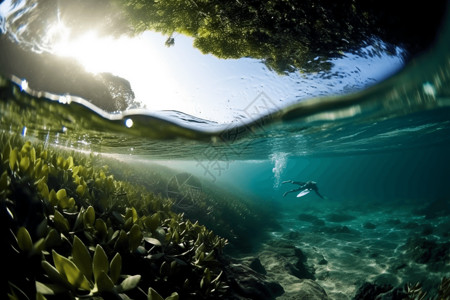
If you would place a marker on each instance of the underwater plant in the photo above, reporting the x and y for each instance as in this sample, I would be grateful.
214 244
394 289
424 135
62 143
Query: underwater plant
72 230
241 220
415 291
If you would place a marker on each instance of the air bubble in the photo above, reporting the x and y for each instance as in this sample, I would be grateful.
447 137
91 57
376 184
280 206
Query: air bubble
429 89
129 123
24 85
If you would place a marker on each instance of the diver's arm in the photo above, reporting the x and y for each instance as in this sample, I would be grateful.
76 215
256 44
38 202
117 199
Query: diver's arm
294 182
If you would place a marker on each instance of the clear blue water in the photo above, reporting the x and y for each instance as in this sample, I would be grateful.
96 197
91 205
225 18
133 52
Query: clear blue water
380 156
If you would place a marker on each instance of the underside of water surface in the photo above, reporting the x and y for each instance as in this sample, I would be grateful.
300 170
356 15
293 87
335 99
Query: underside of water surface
196 150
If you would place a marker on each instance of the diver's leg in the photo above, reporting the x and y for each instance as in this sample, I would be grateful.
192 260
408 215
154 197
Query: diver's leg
318 194
292 191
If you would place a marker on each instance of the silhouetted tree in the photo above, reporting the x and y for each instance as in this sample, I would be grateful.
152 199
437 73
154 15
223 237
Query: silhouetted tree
120 90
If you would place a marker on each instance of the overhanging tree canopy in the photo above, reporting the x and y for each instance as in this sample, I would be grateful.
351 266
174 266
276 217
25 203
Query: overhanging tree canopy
288 35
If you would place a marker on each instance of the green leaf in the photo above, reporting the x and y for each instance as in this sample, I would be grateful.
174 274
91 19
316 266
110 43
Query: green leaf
24 239
81 257
53 273
49 289
130 283
61 223
43 190
217 278
131 213
33 155
78 220
152 241
135 237
89 217
115 267
42 228
26 147
100 263
80 189
122 240
39 246
104 283
16 292
174 296
5 181
153 295
13 158
61 194
118 217
70 271
69 162
164 269
52 198
102 229
52 239
24 163
65 203
153 222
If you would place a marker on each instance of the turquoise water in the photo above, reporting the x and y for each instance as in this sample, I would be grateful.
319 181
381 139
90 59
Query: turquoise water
379 155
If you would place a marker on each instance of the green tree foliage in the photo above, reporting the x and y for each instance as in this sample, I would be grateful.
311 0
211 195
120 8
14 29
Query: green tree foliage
287 35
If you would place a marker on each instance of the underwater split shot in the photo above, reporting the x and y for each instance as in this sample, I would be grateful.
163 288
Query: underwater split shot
241 150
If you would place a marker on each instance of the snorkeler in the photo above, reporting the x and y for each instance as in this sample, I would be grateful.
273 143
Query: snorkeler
304 188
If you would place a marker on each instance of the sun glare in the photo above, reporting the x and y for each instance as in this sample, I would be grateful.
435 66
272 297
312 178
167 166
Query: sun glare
139 60
101 54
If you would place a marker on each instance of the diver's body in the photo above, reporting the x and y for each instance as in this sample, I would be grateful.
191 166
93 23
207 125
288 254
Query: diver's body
303 186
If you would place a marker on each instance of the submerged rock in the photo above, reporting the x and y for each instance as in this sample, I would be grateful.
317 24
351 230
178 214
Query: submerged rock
337 230
305 289
286 258
339 218
379 292
369 225
311 219
256 265
292 235
393 222
246 283
427 229
427 251
443 229
435 209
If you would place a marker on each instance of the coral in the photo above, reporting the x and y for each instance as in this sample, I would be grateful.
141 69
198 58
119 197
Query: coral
70 229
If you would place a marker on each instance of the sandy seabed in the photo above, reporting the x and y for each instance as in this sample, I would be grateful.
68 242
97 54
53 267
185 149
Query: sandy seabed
339 248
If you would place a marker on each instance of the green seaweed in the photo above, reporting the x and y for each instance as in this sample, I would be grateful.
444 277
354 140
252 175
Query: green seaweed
76 231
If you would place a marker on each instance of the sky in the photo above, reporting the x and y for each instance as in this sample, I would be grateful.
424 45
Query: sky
182 78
